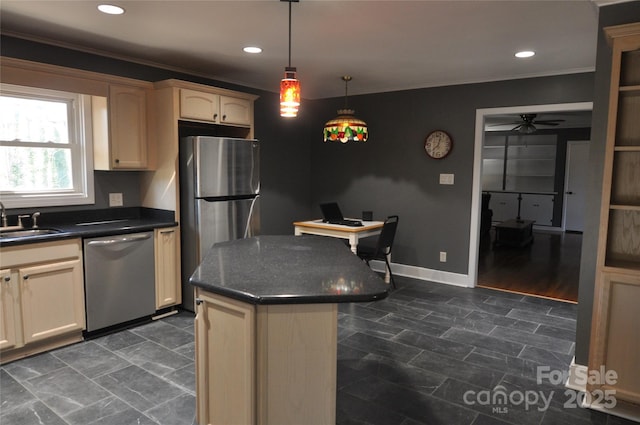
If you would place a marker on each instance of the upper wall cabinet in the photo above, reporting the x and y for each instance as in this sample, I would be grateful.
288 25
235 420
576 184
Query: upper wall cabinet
214 108
235 111
201 106
123 123
180 108
120 133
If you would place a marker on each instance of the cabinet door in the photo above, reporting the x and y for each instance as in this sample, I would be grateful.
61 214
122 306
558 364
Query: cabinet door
8 302
225 359
168 286
504 206
52 299
538 208
128 127
616 340
199 105
235 111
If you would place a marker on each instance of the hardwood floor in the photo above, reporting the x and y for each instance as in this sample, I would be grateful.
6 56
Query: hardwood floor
549 267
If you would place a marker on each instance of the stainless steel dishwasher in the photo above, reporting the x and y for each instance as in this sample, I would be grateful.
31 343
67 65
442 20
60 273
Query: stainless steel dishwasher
119 276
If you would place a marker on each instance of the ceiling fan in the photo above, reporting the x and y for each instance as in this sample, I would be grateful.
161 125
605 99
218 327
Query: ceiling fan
526 125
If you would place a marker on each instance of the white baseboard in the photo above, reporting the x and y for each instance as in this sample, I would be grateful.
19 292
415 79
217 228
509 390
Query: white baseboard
575 383
422 273
576 370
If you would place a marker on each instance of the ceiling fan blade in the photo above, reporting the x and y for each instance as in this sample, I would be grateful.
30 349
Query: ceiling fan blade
546 123
549 121
505 123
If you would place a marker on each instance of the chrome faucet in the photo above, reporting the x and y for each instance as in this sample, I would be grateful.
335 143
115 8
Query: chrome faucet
20 217
34 218
4 215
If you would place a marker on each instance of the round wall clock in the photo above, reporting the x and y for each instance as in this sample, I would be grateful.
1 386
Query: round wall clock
438 144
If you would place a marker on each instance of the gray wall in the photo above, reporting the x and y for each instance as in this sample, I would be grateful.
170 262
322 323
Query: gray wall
391 174
285 157
617 14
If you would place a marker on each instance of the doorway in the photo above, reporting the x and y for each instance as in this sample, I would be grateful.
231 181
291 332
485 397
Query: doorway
543 262
575 186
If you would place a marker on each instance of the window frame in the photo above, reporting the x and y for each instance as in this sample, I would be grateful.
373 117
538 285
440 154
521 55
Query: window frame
80 145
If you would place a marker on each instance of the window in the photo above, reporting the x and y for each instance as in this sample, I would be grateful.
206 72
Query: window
45 148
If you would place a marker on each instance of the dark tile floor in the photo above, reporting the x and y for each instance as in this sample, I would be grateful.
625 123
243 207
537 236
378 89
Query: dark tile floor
428 354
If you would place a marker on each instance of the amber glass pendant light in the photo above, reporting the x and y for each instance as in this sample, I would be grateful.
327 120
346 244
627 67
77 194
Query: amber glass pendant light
289 86
345 127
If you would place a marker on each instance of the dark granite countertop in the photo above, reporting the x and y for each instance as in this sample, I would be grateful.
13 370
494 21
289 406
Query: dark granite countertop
288 270
95 223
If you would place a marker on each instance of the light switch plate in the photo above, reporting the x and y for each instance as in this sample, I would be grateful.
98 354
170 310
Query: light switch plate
115 200
446 178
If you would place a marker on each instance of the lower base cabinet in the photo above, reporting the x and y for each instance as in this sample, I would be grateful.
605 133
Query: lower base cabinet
42 297
9 302
264 364
615 341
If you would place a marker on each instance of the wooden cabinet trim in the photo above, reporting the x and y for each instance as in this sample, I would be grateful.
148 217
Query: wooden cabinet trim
203 88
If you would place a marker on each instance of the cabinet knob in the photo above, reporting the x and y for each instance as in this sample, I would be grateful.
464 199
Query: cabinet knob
215 116
7 278
569 193
224 118
198 301
117 161
25 277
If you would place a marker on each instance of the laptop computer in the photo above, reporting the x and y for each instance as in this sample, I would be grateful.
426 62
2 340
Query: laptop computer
331 214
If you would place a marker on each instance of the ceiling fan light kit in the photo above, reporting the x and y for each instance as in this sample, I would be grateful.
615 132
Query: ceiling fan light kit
345 127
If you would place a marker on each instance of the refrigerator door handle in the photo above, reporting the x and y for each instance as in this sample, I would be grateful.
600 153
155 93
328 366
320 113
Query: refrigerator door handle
247 227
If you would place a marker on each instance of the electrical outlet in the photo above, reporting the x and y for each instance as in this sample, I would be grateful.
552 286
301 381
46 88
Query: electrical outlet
443 256
115 200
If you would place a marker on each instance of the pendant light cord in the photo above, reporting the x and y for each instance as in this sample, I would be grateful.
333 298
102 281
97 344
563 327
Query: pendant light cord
346 80
289 33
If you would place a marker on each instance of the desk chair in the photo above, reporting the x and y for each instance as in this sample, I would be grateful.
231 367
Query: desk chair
384 245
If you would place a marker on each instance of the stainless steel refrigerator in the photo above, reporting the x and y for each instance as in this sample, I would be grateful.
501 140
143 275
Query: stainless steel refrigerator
219 197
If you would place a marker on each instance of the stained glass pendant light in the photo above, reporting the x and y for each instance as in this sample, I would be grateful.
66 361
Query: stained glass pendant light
345 127
289 86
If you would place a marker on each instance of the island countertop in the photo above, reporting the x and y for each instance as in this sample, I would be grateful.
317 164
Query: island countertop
288 269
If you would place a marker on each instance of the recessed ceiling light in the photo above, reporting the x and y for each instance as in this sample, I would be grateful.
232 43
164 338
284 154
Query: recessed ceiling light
525 54
252 49
110 9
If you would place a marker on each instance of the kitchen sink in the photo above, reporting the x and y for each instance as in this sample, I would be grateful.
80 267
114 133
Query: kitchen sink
27 232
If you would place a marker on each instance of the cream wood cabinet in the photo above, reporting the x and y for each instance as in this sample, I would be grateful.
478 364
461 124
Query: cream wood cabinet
176 105
225 362
120 130
264 364
8 302
210 107
235 111
167 256
42 296
615 340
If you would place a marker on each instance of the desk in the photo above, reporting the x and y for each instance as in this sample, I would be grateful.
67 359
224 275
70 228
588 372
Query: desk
352 234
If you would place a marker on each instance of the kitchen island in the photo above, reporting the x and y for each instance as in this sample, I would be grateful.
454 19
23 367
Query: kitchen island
266 327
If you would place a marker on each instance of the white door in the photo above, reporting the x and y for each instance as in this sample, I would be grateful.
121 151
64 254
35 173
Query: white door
575 185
